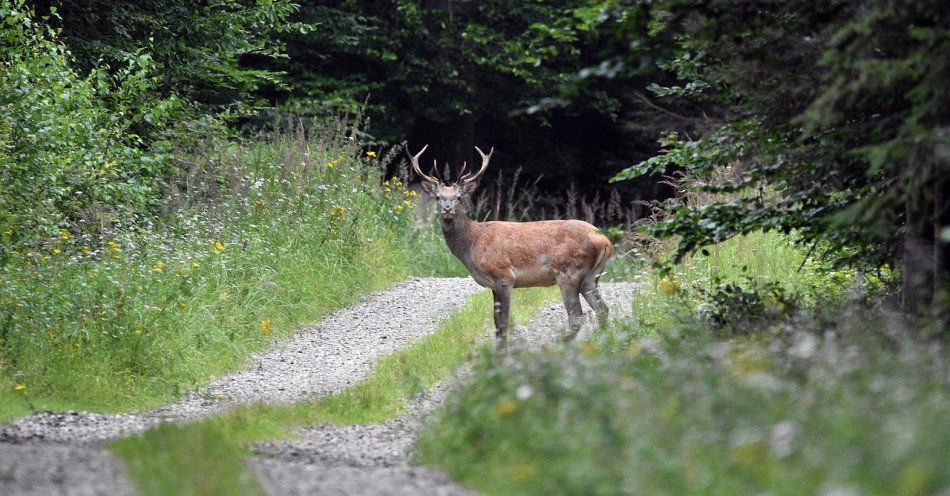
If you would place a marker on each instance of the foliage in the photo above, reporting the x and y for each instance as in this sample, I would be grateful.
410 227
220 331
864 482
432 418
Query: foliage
196 45
838 106
70 157
400 53
683 414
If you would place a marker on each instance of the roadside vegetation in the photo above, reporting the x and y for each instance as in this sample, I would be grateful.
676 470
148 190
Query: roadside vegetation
213 462
736 374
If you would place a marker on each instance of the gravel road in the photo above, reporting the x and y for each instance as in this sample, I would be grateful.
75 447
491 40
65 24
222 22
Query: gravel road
376 459
62 454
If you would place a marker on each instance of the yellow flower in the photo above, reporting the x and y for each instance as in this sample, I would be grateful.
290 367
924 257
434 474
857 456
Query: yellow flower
588 348
337 211
669 286
159 267
370 154
412 193
398 208
506 407
265 326
20 387
407 203
56 251
195 265
8 233
216 246
115 246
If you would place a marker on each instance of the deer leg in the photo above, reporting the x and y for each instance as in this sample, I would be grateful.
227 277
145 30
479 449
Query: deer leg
502 308
592 295
572 302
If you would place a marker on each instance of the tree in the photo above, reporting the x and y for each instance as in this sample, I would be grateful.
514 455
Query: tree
841 107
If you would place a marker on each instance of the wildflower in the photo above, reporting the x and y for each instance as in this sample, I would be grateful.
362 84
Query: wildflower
337 211
115 246
216 246
85 249
195 265
506 407
412 193
265 326
159 267
588 348
370 154
407 203
8 233
398 208
20 387
668 286
57 251
259 204
64 234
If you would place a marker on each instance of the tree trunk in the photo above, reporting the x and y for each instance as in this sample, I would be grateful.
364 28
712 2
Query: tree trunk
941 254
917 288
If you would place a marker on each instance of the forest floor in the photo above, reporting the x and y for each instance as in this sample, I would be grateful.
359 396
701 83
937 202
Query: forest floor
64 453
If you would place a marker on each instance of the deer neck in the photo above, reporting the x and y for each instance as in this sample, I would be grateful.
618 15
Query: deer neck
459 233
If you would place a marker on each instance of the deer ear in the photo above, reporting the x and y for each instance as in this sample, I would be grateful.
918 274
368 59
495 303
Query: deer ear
467 188
429 188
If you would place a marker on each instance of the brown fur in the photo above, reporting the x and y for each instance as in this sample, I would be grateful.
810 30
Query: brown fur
505 255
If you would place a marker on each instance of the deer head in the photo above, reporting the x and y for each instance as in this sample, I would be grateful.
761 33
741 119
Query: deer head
449 196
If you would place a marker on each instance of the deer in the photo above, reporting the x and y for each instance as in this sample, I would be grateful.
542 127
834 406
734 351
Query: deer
504 255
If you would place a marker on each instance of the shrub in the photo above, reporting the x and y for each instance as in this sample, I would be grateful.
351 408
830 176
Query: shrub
68 156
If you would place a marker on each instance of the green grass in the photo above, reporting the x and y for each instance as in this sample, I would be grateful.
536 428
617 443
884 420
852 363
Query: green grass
756 258
832 398
266 237
172 459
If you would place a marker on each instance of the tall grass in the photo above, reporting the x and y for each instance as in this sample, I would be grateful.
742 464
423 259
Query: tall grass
833 398
256 239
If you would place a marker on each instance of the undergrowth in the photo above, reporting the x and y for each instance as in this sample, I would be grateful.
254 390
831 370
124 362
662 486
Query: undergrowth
813 393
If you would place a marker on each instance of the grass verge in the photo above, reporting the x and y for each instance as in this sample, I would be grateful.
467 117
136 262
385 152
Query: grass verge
259 238
170 459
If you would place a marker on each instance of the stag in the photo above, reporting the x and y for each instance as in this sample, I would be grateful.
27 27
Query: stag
504 255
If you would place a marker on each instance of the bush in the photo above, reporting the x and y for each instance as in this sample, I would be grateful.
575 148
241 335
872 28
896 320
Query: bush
69 159
842 402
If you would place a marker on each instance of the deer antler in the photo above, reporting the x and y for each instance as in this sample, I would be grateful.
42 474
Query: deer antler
467 178
415 165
